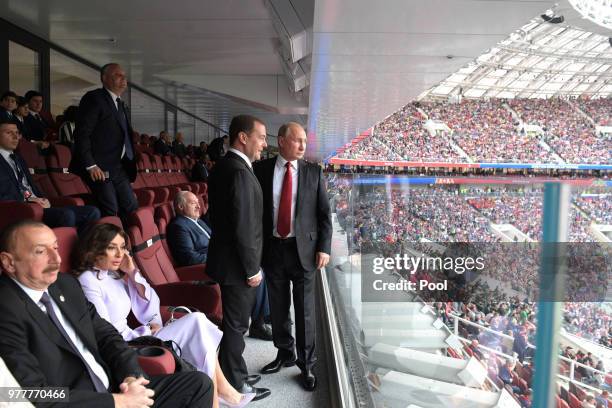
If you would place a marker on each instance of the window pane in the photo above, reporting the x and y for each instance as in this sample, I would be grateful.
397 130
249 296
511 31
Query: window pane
24 71
147 113
70 80
186 125
171 115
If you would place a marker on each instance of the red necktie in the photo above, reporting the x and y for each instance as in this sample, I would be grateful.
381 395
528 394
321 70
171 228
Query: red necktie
283 223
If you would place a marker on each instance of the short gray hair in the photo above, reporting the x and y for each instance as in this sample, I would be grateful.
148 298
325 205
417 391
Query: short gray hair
180 199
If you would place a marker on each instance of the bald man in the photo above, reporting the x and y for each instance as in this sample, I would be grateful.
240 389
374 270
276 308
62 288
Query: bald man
187 234
297 240
53 337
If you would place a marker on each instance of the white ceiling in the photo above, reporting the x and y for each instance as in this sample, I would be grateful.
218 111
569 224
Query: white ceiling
217 58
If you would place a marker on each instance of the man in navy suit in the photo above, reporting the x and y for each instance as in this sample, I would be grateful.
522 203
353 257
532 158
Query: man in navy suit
16 184
103 151
187 234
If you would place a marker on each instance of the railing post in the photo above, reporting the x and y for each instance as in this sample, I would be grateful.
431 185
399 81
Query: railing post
572 368
552 271
456 324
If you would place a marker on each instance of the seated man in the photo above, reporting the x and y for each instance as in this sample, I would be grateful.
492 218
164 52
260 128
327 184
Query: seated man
53 337
162 145
187 234
188 238
17 184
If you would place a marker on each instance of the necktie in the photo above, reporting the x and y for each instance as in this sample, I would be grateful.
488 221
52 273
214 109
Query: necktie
20 177
129 153
283 222
46 300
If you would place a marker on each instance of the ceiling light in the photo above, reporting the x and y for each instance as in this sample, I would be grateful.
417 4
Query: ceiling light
598 11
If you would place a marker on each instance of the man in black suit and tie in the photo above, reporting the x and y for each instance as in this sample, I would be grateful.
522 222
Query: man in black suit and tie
234 253
53 337
103 153
8 103
188 236
16 184
297 241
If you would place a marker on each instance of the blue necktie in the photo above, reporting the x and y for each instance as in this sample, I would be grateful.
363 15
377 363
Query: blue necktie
129 153
46 300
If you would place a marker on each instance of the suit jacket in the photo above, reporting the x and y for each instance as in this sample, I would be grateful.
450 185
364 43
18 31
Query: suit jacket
37 129
99 135
160 147
235 206
187 242
9 185
39 356
312 222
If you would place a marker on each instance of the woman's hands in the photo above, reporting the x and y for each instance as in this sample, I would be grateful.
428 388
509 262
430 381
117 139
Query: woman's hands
127 265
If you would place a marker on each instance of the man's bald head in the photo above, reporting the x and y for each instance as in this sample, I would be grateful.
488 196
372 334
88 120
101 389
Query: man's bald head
187 204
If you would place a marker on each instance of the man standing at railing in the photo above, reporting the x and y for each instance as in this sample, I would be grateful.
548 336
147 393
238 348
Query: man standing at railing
297 241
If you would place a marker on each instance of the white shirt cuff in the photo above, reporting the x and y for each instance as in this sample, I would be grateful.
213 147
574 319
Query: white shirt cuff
91 167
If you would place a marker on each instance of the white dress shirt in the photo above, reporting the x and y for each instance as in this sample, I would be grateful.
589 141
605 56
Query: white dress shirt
195 221
36 295
242 155
277 188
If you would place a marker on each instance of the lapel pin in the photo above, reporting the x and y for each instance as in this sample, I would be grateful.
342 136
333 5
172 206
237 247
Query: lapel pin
62 298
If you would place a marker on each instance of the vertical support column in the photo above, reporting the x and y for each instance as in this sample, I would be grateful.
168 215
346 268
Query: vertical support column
552 278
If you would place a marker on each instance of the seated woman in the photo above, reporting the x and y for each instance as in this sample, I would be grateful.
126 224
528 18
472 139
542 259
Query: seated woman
112 283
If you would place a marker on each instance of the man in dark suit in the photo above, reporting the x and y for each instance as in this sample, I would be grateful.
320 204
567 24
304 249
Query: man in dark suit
297 240
178 147
8 103
162 145
39 122
187 234
16 184
103 151
234 252
53 337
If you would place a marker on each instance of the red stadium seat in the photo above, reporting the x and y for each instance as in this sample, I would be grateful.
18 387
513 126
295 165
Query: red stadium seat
37 167
156 360
66 239
155 265
574 402
13 211
561 403
66 183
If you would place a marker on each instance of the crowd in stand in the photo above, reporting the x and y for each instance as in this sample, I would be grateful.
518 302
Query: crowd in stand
383 221
566 130
405 135
598 109
486 131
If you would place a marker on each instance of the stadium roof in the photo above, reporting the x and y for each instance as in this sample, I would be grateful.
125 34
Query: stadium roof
538 60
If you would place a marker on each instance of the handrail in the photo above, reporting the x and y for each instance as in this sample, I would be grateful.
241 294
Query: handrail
573 363
345 399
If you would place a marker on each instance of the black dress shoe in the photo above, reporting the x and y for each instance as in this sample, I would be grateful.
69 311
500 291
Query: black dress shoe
277 364
309 381
261 331
260 393
252 379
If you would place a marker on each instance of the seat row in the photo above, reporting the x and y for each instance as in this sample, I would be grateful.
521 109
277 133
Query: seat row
158 181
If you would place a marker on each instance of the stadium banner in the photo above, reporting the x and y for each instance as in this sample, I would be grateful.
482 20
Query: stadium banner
398 180
420 164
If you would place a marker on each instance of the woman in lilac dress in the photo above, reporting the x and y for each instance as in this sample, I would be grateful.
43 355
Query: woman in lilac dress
114 285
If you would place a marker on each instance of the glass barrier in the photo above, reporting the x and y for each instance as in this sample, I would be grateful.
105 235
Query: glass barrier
438 287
